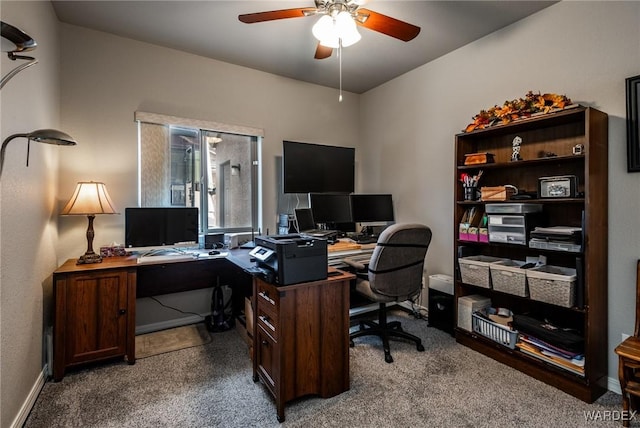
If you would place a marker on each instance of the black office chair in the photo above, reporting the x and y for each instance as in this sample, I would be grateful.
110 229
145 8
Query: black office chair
393 274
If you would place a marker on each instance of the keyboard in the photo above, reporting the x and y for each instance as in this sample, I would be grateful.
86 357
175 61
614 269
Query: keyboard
365 239
319 233
165 258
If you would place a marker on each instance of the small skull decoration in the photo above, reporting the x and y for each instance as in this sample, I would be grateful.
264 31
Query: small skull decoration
515 156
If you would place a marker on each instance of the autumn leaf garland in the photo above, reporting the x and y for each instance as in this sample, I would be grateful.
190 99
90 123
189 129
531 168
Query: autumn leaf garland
517 109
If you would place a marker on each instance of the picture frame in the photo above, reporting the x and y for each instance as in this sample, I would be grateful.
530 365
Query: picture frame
633 123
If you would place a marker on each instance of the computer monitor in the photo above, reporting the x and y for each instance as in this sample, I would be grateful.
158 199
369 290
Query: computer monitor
160 226
316 168
330 208
369 208
304 219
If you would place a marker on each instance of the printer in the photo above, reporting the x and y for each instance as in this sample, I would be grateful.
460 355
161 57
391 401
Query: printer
292 258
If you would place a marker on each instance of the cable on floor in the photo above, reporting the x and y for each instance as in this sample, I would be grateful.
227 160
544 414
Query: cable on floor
175 309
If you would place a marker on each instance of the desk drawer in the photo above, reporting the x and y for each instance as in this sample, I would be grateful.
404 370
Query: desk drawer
268 296
267 359
268 321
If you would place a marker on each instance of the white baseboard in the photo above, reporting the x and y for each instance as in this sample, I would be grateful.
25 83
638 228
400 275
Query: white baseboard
613 385
363 309
163 325
28 404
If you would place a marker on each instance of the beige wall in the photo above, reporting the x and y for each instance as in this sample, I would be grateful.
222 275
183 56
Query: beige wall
582 49
105 79
28 238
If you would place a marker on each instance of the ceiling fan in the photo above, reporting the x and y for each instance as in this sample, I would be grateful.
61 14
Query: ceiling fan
339 14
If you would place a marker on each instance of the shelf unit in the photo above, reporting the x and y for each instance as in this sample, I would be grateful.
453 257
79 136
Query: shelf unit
547 150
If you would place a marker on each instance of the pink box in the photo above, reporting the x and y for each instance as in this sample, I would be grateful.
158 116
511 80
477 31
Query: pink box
483 234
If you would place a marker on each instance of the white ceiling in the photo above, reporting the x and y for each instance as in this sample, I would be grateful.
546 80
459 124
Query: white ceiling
286 47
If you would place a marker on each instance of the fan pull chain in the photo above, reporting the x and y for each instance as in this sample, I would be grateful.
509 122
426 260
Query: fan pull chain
340 66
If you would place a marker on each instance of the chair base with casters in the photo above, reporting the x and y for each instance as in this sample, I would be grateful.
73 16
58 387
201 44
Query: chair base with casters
385 330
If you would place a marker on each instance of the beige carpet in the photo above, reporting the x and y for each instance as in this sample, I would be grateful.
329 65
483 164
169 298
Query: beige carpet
170 340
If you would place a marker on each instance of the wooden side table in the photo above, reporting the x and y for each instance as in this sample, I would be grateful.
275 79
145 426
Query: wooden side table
94 314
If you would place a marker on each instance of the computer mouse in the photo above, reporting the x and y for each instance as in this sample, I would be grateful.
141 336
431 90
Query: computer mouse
214 252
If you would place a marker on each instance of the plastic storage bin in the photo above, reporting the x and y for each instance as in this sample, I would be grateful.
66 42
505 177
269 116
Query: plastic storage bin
552 284
508 277
474 270
494 331
467 305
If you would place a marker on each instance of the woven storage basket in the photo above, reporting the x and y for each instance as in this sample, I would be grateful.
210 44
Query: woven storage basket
552 284
494 331
508 277
474 270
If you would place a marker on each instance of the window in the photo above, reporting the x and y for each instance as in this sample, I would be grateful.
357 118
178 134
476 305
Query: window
212 166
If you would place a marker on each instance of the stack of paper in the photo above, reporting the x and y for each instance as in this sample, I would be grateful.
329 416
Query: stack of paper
559 357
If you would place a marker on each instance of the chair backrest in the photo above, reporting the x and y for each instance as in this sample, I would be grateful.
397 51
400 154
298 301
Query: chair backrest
397 262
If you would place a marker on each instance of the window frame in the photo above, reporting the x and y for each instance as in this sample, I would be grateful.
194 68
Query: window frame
255 134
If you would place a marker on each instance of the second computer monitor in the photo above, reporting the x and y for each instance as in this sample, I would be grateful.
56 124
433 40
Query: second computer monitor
369 208
330 208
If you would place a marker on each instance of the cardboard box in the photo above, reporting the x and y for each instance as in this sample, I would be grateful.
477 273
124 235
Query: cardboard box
467 305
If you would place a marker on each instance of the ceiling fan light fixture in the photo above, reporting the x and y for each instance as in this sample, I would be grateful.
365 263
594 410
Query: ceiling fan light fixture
329 30
323 29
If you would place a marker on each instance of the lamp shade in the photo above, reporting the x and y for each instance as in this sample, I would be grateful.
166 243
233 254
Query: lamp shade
52 136
89 198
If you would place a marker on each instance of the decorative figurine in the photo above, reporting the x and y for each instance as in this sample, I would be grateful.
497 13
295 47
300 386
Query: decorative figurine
515 156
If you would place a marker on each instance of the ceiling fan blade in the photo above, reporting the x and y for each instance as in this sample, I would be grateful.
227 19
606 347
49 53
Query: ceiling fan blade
323 52
299 12
387 25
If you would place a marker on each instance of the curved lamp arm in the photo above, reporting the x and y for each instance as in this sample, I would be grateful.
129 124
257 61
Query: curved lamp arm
4 148
48 136
18 69
22 42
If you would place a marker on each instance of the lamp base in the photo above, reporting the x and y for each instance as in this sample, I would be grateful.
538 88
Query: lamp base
88 258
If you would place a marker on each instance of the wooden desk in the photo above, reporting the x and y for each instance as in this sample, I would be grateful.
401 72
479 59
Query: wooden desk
301 338
95 304
343 246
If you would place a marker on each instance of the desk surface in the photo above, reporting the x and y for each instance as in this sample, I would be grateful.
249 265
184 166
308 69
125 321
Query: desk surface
240 257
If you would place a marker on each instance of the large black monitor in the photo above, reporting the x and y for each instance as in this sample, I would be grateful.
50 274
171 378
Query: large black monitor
153 227
367 208
330 208
311 168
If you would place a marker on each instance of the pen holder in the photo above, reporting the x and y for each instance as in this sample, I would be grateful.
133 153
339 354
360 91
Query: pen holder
471 193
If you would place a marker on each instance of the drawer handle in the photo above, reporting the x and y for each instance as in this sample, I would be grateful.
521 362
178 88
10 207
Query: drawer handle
265 343
265 320
122 311
266 297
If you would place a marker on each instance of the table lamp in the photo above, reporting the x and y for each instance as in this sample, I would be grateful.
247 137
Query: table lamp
89 198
